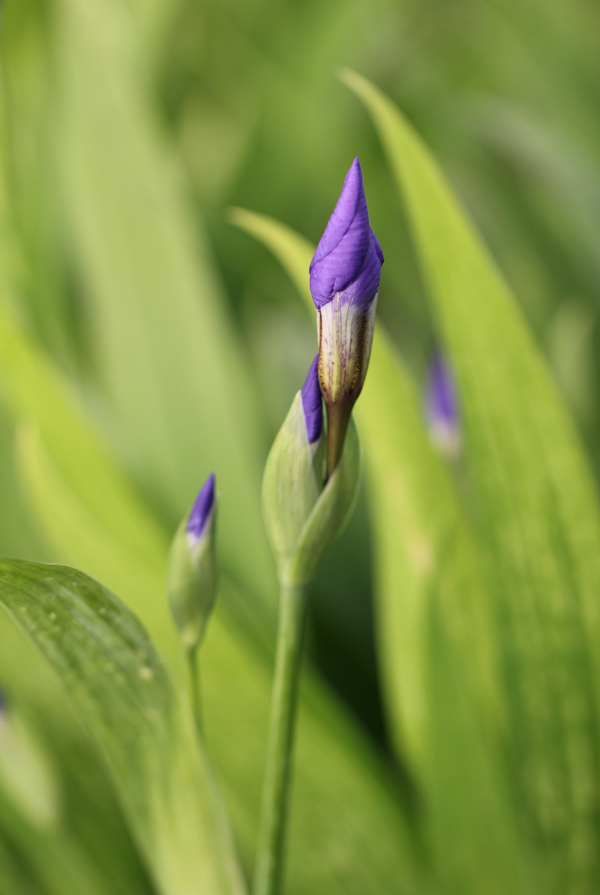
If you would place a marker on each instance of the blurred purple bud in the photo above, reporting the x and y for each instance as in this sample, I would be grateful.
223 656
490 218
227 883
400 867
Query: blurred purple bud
312 403
441 407
202 510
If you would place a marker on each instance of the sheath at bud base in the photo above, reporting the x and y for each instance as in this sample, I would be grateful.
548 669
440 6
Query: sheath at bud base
345 333
302 516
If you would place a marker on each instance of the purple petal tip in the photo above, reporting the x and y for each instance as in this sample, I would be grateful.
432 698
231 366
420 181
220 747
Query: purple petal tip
348 257
312 403
203 506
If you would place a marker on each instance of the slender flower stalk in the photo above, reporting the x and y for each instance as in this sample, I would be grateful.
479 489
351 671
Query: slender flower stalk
344 283
276 788
192 582
296 482
304 508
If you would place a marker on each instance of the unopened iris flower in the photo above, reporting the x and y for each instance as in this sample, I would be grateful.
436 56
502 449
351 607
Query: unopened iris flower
344 283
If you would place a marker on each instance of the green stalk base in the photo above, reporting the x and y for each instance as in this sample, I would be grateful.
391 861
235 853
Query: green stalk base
276 789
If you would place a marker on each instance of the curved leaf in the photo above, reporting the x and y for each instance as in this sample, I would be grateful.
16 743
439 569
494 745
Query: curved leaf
121 690
536 513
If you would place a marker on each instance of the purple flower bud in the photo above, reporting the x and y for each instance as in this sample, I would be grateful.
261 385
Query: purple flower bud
441 408
192 571
312 403
344 282
201 511
348 258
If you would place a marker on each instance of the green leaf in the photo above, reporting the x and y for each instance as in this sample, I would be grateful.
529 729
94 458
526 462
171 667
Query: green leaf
536 514
41 859
173 367
88 822
121 689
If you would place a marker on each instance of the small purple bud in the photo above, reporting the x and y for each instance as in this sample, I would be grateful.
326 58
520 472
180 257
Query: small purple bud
202 509
192 571
344 283
312 403
441 407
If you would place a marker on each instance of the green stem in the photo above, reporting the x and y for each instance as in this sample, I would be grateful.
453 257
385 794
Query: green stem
271 834
194 683
338 417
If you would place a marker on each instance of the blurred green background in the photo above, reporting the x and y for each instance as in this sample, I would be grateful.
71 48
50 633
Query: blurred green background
128 129
244 102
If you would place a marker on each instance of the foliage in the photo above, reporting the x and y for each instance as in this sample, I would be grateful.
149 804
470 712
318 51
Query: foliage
145 341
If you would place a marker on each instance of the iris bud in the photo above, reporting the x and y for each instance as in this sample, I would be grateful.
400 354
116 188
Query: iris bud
192 574
344 283
303 515
441 409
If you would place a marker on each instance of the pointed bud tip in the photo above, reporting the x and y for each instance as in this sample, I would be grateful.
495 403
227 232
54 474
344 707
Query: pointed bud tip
348 257
203 506
312 403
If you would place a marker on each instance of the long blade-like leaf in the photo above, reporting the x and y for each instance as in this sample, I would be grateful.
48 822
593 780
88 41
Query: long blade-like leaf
167 349
536 507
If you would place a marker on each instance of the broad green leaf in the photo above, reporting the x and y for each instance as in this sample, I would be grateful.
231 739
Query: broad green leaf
121 689
168 353
343 797
535 512
436 641
88 823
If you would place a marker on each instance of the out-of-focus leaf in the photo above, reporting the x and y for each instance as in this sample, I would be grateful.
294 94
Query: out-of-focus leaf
293 250
87 823
435 635
37 859
348 828
26 774
35 248
35 391
535 511
121 689
166 347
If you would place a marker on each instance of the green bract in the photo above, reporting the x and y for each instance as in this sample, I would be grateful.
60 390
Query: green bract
192 578
302 517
